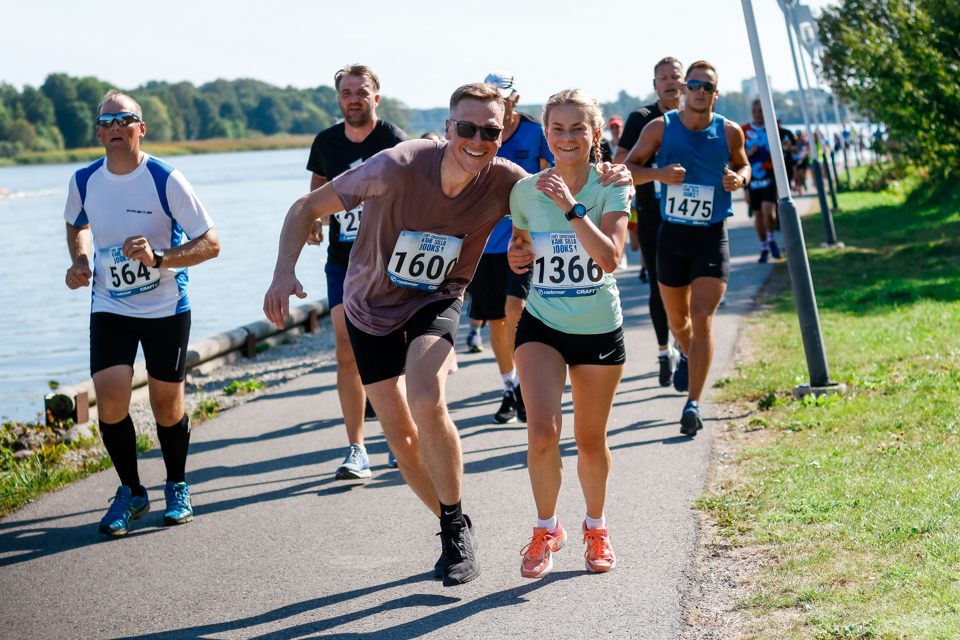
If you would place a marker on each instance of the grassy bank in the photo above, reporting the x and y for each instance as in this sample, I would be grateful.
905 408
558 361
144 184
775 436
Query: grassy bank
162 149
855 499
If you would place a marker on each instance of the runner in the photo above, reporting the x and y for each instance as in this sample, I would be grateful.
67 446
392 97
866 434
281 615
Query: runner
497 294
667 81
801 163
703 160
569 232
347 144
762 193
147 226
788 143
430 207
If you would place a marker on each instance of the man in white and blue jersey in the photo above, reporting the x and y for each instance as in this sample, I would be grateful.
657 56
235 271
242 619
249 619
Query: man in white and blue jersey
497 294
702 160
133 226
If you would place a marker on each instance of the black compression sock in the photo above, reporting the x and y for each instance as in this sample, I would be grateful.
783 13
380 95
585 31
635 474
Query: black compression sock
449 514
120 439
174 443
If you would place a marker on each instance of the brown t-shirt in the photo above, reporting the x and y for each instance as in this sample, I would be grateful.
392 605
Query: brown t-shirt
400 190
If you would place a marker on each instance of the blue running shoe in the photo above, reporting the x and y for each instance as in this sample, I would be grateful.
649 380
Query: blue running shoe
764 256
681 376
356 465
125 508
392 460
179 509
690 421
774 250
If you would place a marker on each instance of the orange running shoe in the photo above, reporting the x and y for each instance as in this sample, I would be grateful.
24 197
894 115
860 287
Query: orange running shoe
538 554
599 556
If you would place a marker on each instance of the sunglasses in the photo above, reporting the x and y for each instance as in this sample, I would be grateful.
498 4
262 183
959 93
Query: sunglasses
123 119
695 85
488 133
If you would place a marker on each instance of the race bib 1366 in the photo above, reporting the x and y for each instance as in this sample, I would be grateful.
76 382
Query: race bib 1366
561 267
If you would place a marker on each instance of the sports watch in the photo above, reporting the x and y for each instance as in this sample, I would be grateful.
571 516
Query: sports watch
158 255
578 211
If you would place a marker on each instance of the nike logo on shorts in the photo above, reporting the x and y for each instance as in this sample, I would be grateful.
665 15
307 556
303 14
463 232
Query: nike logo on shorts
609 354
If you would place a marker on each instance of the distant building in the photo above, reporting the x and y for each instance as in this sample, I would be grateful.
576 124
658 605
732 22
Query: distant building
750 87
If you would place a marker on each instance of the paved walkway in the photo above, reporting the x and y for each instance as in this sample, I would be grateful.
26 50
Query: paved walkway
279 549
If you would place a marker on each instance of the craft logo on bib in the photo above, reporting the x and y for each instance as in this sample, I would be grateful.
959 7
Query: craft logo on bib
423 260
689 204
350 220
561 266
125 277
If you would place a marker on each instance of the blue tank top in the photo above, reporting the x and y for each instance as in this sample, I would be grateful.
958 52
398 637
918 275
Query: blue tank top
704 154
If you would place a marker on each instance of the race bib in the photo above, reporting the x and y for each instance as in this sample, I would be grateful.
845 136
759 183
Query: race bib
689 204
423 260
349 223
561 267
125 277
656 183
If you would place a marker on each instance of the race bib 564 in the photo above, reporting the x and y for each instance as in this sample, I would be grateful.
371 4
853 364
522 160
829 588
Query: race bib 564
125 277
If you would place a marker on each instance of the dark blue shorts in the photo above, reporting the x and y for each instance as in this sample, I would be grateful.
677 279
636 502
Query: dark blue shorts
336 274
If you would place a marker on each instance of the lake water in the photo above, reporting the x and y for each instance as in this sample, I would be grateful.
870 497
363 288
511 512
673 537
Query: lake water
44 326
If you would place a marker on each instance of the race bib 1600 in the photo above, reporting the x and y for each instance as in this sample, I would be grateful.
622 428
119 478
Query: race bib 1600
423 260
561 267
689 204
125 277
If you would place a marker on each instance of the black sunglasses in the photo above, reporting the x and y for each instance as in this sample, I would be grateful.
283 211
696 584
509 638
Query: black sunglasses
488 132
123 119
695 85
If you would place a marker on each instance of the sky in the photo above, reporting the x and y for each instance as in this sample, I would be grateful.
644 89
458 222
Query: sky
421 49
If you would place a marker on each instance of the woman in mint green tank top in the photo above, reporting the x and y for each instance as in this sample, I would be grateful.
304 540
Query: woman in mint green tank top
570 230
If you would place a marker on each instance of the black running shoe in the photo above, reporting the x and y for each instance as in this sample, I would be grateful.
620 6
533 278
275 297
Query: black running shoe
368 413
508 409
690 421
459 556
666 371
438 568
644 278
681 375
521 408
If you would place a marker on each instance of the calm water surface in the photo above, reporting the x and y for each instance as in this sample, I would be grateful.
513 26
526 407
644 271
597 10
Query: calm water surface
44 327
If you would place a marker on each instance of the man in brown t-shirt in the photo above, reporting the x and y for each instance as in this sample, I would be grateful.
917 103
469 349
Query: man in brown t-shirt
428 210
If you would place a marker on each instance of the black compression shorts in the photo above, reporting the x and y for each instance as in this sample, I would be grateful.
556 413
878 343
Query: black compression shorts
492 283
576 348
383 357
763 194
686 252
114 339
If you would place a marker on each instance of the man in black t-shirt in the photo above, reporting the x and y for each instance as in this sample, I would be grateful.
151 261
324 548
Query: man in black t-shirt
667 81
343 146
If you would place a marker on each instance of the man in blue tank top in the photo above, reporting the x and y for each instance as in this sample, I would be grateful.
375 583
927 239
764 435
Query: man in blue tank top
701 160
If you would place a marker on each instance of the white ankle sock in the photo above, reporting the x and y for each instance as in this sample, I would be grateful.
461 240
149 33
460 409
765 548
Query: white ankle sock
596 523
769 236
549 525
509 379
665 352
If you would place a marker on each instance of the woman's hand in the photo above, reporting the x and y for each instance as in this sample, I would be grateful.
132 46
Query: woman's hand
552 184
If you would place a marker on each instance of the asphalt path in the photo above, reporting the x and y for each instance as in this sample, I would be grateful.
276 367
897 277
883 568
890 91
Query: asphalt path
279 549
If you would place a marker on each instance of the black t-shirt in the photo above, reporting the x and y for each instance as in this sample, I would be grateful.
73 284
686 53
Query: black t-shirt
333 153
646 194
786 134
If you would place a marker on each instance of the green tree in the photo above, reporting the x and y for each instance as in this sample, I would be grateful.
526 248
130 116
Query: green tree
899 61
157 118
271 116
38 108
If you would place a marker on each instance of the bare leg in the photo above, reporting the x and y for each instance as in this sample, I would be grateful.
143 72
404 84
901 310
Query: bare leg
676 300
705 297
770 217
353 399
594 387
543 375
502 349
166 400
114 386
514 310
759 224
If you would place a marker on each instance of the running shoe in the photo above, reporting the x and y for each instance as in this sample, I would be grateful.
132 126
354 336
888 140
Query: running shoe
644 278
459 560
521 408
599 556
538 554
368 412
508 409
774 250
356 465
179 508
125 508
690 421
667 364
392 460
474 342
764 256
681 375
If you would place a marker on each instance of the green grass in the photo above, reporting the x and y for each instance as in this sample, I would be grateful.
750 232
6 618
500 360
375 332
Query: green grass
207 409
242 388
856 498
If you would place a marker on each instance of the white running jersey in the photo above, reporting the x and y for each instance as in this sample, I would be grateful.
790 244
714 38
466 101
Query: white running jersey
154 201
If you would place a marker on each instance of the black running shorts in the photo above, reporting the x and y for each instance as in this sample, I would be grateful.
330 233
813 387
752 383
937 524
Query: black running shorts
686 252
493 281
114 339
383 357
576 348
763 194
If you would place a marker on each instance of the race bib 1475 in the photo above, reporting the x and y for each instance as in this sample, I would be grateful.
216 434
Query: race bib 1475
422 260
561 267
689 204
125 277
